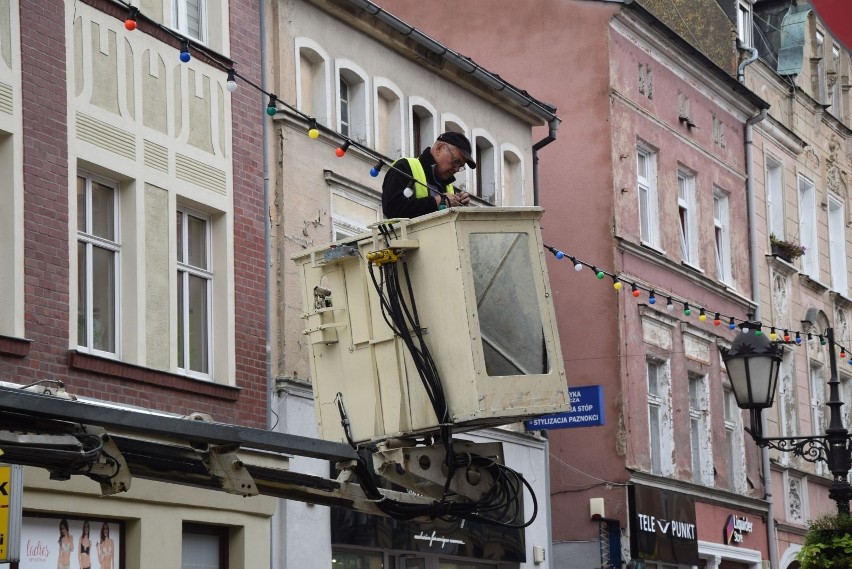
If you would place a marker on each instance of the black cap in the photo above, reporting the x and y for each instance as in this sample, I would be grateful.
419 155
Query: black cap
461 142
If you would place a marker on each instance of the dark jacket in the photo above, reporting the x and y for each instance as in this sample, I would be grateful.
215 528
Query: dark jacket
398 177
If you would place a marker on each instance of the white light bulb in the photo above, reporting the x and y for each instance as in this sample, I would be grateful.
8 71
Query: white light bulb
408 192
231 86
745 329
578 267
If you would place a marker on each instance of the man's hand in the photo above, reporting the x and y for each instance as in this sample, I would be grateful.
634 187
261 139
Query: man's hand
458 199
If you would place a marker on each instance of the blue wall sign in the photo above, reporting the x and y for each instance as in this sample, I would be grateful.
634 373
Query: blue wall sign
586 411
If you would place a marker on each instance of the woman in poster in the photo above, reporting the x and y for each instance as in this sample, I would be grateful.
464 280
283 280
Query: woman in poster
105 548
66 546
84 557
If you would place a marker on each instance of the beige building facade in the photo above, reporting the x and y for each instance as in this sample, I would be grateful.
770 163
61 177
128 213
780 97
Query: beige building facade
802 160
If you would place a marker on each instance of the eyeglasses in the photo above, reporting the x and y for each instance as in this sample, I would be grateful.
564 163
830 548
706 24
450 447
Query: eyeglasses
458 161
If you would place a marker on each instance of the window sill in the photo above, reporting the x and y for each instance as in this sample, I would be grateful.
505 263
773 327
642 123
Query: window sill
840 300
106 366
782 266
691 267
813 284
11 346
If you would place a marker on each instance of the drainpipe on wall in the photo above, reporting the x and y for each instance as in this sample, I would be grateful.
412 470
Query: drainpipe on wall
275 526
551 136
754 255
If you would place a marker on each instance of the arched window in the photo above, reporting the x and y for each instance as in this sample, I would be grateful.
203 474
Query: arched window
311 81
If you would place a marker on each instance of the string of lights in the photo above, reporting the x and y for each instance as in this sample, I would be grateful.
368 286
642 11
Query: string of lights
776 333
187 45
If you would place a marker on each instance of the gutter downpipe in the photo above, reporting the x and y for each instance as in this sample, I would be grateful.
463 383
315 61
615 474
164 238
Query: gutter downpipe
754 255
275 526
551 136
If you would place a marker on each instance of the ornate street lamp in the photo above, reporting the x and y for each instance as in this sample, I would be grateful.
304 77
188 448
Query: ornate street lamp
753 363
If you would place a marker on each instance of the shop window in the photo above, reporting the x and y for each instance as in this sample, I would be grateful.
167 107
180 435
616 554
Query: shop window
204 547
343 559
98 264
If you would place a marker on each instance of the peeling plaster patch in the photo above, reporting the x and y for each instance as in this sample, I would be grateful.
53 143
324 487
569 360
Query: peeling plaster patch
657 333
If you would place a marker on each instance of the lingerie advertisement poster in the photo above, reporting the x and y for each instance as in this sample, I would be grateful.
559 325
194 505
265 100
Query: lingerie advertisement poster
70 543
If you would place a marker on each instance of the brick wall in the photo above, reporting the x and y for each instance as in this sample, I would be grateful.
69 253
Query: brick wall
46 233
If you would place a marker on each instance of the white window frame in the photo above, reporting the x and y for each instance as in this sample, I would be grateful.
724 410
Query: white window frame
180 13
658 377
687 217
722 235
819 55
91 242
389 127
775 196
358 120
836 107
837 245
312 81
745 22
808 227
734 441
649 223
512 176
422 124
344 93
184 271
699 429
487 166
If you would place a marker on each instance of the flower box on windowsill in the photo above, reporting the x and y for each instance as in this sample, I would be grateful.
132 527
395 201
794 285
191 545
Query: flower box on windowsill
787 250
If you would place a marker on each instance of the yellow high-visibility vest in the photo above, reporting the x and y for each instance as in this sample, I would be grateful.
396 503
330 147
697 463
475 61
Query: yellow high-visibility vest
419 175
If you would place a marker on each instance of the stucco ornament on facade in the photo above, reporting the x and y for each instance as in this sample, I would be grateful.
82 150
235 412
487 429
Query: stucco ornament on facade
835 177
780 297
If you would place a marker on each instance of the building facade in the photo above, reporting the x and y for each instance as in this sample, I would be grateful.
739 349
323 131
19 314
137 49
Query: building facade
649 190
802 164
133 253
363 76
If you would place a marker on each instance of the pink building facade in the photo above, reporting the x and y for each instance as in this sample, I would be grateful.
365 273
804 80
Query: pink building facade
647 183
